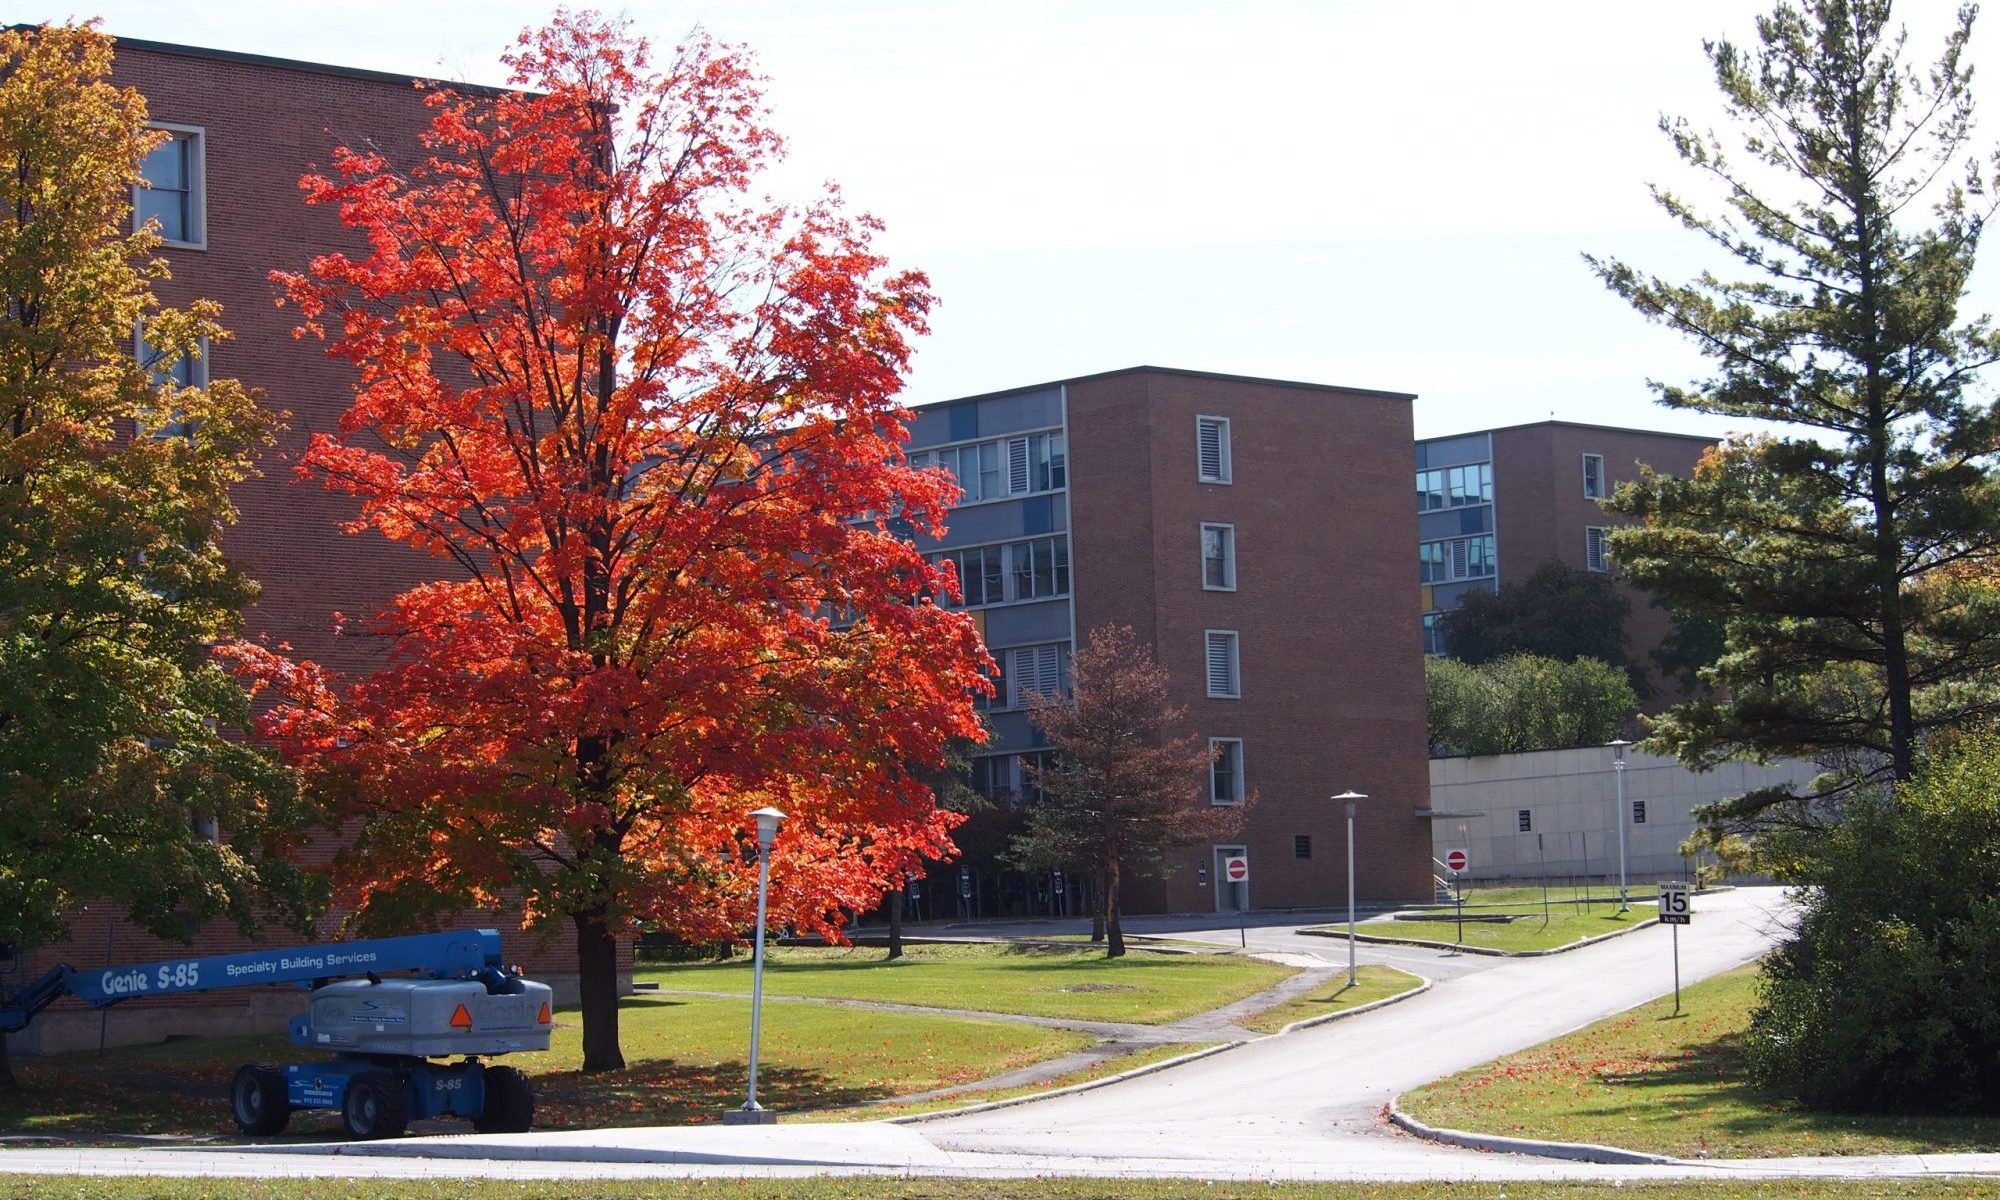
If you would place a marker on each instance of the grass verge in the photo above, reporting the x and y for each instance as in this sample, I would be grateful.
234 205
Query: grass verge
686 1056
45 1187
1648 1080
1147 989
1375 983
1530 931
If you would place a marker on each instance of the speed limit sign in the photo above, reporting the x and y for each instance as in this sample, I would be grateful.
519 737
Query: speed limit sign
1674 904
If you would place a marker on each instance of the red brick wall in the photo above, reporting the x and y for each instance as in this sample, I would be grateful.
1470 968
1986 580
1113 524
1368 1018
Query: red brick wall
1332 685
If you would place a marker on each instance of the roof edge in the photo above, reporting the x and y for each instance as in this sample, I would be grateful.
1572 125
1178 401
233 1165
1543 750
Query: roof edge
294 64
1665 433
1174 371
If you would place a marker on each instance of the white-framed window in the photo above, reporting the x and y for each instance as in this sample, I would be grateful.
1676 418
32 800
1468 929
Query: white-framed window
1593 477
1010 572
1218 558
1433 634
188 368
1224 679
1225 771
1029 671
1211 439
1001 468
1455 487
1596 554
1452 559
176 191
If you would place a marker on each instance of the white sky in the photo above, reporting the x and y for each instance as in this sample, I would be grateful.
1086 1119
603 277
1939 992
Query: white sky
1378 195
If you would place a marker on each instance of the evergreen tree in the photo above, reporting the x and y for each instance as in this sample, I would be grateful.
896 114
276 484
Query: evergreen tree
1556 612
1818 547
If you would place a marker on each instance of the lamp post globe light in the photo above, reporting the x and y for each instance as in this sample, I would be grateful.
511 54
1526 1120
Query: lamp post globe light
1618 769
1350 797
753 1113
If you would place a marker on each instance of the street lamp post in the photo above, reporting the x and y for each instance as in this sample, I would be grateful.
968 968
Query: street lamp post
1618 768
753 1113
1353 976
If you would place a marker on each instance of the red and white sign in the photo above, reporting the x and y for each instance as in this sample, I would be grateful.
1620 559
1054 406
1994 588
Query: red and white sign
1457 860
1236 869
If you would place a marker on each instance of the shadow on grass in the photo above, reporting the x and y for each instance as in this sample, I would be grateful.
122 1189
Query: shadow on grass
664 1092
1715 1076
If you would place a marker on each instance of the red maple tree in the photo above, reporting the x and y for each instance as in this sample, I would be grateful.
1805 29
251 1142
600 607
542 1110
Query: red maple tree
651 424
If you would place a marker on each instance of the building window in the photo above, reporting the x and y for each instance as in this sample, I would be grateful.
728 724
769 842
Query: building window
1638 812
1212 448
1218 558
1031 671
188 368
1302 845
1003 467
1596 555
173 172
1455 487
1223 682
1593 477
1433 634
1453 559
1013 573
1524 822
1025 768
1225 772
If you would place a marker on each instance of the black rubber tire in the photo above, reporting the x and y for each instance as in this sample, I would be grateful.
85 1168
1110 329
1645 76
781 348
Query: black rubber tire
510 1102
374 1107
258 1101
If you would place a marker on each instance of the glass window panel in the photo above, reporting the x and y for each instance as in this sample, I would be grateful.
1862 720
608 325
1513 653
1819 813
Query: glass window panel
1058 463
989 471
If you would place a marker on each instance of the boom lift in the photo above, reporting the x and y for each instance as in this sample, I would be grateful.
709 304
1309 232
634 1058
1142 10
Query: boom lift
382 1033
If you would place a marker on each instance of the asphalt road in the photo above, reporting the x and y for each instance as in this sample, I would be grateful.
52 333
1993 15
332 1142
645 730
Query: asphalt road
1304 1106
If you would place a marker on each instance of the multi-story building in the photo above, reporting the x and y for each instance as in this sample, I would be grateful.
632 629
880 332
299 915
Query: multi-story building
1252 533
1494 505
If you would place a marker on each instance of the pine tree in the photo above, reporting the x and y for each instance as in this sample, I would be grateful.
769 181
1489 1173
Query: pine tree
1821 548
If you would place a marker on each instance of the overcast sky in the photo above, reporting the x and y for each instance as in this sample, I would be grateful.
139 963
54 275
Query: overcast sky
1378 195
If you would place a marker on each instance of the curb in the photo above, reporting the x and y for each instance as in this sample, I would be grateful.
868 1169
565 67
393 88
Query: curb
1134 1073
1371 1006
1379 940
1570 1151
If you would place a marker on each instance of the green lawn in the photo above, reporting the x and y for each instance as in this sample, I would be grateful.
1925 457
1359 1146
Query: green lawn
48 1187
686 1061
1529 932
1574 898
1648 1080
1374 983
1080 984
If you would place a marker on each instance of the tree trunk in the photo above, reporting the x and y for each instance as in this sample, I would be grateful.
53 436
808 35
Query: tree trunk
1097 906
597 984
8 1084
1115 947
896 923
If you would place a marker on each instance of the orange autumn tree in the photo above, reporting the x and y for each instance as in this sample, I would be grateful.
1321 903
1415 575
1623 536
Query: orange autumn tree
650 423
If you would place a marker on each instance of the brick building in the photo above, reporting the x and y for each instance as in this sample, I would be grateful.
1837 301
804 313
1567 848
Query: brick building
1494 505
1254 533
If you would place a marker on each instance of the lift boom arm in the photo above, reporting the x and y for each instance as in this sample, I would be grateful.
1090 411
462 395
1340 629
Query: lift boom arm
465 954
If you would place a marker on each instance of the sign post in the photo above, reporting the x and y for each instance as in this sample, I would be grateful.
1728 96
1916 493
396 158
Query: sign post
1674 911
1236 869
1456 861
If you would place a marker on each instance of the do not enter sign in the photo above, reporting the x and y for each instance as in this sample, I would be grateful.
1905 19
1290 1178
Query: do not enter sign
1457 860
1236 869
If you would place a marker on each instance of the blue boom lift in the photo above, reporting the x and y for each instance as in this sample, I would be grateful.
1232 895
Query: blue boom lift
382 1033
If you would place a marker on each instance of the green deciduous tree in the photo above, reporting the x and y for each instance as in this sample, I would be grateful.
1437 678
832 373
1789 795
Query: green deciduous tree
1556 612
1525 702
1855 211
113 754
1884 998
1123 787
